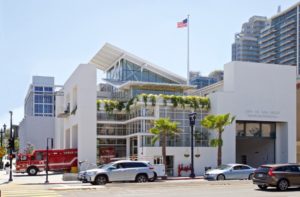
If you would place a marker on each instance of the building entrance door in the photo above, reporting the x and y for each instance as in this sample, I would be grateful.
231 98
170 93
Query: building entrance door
170 165
133 148
255 143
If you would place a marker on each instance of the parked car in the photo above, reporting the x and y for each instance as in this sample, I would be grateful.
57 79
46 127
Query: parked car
159 170
281 176
118 171
230 172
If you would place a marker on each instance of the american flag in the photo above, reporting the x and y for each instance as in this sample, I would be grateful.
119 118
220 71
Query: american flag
183 23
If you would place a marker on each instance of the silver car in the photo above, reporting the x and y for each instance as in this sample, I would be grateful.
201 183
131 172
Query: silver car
230 172
118 171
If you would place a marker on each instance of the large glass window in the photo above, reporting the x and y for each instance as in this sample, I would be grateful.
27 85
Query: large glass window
128 71
48 89
38 98
252 130
38 108
255 129
48 99
268 130
38 89
48 109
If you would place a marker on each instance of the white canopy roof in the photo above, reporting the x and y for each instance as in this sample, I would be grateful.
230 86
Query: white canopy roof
108 55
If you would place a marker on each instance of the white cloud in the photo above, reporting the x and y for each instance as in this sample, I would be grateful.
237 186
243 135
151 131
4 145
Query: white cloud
18 114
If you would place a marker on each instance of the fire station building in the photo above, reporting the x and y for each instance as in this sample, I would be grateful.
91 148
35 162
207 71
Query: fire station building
261 96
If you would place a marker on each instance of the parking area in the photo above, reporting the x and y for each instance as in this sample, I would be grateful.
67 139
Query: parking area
197 187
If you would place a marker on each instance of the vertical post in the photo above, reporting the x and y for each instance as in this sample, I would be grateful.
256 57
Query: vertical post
47 163
188 49
1 137
192 117
47 158
11 148
297 45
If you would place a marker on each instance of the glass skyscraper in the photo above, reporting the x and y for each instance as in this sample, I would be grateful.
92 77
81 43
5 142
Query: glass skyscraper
246 46
279 41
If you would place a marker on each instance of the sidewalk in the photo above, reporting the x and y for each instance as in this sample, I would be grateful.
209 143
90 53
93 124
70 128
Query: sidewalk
3 177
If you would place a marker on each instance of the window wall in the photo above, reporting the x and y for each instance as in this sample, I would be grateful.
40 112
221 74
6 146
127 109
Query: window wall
128 71
43 101
256 129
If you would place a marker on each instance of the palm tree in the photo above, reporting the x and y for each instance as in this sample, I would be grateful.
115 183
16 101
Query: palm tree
163 128
218 123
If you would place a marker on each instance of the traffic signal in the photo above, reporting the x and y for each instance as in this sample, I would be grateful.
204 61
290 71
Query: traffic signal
11 143
12 156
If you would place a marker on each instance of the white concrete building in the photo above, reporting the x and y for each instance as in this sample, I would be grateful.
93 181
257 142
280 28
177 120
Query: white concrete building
39 113
261 96
263 99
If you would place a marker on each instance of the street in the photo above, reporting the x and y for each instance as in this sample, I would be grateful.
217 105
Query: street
24 186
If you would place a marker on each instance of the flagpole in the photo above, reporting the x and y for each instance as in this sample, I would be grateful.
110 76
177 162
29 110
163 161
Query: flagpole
188 49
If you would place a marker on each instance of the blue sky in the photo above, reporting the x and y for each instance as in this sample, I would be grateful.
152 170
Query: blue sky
51 37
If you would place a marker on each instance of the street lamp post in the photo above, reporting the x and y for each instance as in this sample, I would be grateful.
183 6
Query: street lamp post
47 158
192 117
11 148
2 131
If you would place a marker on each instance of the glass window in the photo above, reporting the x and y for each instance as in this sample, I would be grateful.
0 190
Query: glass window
48 99
38 98
39 156
38 108
252 130
48 89
245 168
267 129
48 109
240 130
38 89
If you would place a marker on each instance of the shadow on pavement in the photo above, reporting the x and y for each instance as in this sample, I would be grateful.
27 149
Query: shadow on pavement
275 190
25 175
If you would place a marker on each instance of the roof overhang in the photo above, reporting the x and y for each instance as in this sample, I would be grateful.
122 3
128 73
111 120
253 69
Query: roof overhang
158 86
108 55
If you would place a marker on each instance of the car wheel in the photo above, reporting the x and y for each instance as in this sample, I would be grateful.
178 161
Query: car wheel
100 180
250 177
262 187
220 177
283 185
32 171
141 178
154 178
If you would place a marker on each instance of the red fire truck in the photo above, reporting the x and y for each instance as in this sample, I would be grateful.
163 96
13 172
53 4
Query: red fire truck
59 160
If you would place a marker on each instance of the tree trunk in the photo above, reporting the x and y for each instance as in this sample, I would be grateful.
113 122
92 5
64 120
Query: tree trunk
163 149
219 149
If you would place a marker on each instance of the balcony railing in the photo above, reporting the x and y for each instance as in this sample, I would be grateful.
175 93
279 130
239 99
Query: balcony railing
104 116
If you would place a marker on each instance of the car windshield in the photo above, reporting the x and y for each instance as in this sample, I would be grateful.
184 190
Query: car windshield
104 166
223 167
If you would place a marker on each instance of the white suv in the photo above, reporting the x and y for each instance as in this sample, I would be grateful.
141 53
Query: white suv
118 171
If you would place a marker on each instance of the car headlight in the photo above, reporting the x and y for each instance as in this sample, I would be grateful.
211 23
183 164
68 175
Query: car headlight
91 173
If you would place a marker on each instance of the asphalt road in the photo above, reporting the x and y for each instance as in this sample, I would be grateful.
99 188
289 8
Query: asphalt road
24 186
181 189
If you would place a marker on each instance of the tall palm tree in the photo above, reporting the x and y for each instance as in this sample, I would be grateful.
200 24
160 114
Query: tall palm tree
163 128
218 123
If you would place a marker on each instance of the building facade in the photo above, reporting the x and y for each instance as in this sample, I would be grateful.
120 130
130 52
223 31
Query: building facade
279 41
111 120
39 113
246 46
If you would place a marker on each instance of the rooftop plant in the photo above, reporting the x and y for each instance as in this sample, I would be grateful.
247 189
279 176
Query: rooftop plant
195 102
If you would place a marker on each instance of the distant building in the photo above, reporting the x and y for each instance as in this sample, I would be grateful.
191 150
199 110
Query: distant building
278 41
245 46
39 113
202 81
217 74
